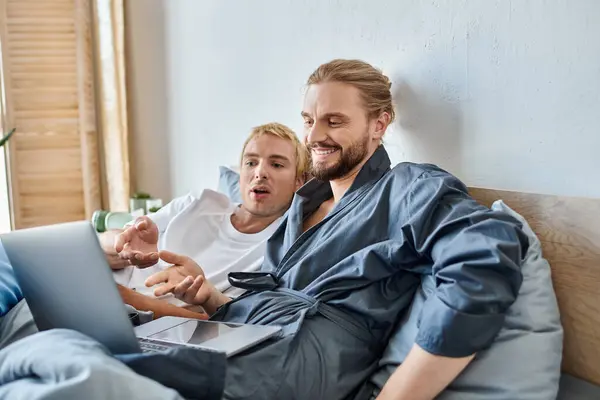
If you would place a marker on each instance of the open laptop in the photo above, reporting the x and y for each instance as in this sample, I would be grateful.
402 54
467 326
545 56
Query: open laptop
67 282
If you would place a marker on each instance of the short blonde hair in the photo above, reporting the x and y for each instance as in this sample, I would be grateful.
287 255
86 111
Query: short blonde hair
283 132
373 85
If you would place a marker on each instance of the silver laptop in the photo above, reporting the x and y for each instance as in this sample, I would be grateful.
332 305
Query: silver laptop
67 282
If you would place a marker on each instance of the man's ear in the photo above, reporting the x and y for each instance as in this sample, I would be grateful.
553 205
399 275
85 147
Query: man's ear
301 180
381 124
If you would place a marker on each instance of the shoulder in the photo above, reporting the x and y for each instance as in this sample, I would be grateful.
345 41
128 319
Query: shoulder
414 187
204 201
212 201
412 171
417 175
181 201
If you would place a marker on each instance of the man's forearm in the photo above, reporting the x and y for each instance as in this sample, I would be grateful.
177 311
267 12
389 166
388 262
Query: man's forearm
160 308
422 376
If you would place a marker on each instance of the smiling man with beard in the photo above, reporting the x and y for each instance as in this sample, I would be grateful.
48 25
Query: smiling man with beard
345 262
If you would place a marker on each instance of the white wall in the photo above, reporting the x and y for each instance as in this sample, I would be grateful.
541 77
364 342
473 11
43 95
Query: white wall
151 137
505 94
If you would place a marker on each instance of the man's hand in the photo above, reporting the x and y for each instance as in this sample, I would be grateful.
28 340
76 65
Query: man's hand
138 244
186 280
107 242
171 277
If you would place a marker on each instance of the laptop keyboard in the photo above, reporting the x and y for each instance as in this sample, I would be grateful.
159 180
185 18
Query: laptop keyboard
149 345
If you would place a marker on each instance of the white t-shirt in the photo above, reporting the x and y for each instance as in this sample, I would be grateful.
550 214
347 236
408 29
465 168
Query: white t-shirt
200 228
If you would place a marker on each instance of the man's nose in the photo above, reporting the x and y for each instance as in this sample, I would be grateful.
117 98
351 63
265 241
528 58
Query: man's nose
316 133
261 171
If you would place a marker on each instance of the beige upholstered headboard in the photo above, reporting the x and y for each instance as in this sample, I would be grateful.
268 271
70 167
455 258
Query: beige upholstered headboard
569 229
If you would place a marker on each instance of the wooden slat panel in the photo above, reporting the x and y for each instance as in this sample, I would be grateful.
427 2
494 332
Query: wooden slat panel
39 220
67 139
49 79
52 124
62 99
49 184
42 40
51 161
56 82
43 70
34 28
58 48
58 21
49 10
569 229
51 209
43 46
63 61
38 114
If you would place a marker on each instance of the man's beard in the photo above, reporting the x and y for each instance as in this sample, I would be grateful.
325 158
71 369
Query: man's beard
348 160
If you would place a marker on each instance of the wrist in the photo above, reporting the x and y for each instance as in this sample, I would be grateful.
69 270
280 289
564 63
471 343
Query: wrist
216 300
115 262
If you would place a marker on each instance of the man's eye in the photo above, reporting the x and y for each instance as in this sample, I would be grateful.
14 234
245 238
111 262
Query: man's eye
276 165
250 163
334 123
308 122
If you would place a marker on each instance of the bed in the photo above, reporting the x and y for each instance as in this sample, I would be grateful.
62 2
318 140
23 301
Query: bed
569 229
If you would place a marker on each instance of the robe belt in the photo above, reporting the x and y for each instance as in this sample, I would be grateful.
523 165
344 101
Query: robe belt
261 281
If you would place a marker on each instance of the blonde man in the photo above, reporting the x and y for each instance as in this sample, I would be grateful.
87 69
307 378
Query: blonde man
210 229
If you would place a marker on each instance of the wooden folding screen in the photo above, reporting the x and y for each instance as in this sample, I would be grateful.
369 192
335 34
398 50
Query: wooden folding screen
50 80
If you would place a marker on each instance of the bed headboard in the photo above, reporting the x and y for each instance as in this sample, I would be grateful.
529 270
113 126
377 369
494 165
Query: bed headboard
569 229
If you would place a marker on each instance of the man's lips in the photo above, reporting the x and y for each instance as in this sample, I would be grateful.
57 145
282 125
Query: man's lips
260 189
260 192
324 151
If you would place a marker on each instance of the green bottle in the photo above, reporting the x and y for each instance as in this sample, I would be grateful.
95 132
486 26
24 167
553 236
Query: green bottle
103 220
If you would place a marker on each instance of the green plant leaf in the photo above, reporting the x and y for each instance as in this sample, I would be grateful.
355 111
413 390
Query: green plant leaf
5 138
141 195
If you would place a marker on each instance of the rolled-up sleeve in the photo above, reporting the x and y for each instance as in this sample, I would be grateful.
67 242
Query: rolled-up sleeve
476 255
